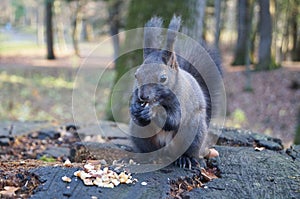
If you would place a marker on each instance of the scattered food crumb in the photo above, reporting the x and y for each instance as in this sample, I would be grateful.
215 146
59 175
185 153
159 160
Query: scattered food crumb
67 163
144 183
213 153
132 162
94 175
66 179
259 148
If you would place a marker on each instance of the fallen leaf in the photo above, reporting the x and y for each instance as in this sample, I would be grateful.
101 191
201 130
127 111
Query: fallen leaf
207 175
9 191
189 188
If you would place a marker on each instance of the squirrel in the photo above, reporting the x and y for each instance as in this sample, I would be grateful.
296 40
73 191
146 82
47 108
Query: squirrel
169 97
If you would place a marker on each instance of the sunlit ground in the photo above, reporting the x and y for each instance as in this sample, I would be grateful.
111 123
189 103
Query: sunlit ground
33 88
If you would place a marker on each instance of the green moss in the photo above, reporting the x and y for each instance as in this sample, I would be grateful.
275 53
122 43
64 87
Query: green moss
47 159
267 65
239 116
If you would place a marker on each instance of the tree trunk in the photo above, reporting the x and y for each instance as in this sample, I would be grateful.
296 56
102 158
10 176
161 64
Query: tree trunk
217 22
295 34
40 25
243 21
49 29
88 31
197 29
114 25
296 54
77 27
297 135
248 84
60 27
265 32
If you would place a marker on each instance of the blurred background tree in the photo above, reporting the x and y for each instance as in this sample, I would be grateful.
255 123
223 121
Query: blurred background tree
251 35
49 28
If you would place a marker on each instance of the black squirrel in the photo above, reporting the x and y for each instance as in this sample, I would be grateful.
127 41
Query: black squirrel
166 80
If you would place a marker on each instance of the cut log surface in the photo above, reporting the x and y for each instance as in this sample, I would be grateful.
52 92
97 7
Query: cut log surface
268 172
245 173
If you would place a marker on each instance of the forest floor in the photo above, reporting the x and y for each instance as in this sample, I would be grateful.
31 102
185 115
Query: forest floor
271 107
33 88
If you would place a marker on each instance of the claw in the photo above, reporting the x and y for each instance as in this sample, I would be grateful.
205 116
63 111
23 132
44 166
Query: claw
189 163
195 162
183 162
180 162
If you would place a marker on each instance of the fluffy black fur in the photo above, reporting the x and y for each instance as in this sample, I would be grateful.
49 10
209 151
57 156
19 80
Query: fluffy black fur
166 98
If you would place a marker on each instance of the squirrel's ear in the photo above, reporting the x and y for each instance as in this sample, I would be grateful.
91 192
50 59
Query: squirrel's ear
170 59
152 35
172 32
169 55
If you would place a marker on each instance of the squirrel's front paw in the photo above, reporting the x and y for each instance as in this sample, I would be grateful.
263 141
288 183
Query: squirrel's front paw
189 162
141 115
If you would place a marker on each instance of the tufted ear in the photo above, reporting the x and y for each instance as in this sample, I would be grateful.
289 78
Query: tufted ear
152 36
169 55
170 59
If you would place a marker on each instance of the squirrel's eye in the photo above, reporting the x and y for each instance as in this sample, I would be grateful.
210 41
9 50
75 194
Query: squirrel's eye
163 78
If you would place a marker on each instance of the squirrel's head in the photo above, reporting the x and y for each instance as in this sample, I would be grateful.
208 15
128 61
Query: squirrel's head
155 79
157 76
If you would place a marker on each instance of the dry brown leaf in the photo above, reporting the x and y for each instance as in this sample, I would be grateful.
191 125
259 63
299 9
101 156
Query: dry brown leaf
207 175
189 188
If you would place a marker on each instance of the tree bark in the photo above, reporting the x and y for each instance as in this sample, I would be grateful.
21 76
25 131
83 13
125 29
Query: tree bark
40 25
77 27
217 22
49 29
248 85
196 31
297 135
114 24
295 34
60 27
88 31
265 33
243 36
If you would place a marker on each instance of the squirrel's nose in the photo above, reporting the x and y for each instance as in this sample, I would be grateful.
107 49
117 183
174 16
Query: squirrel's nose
144 93
144 97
